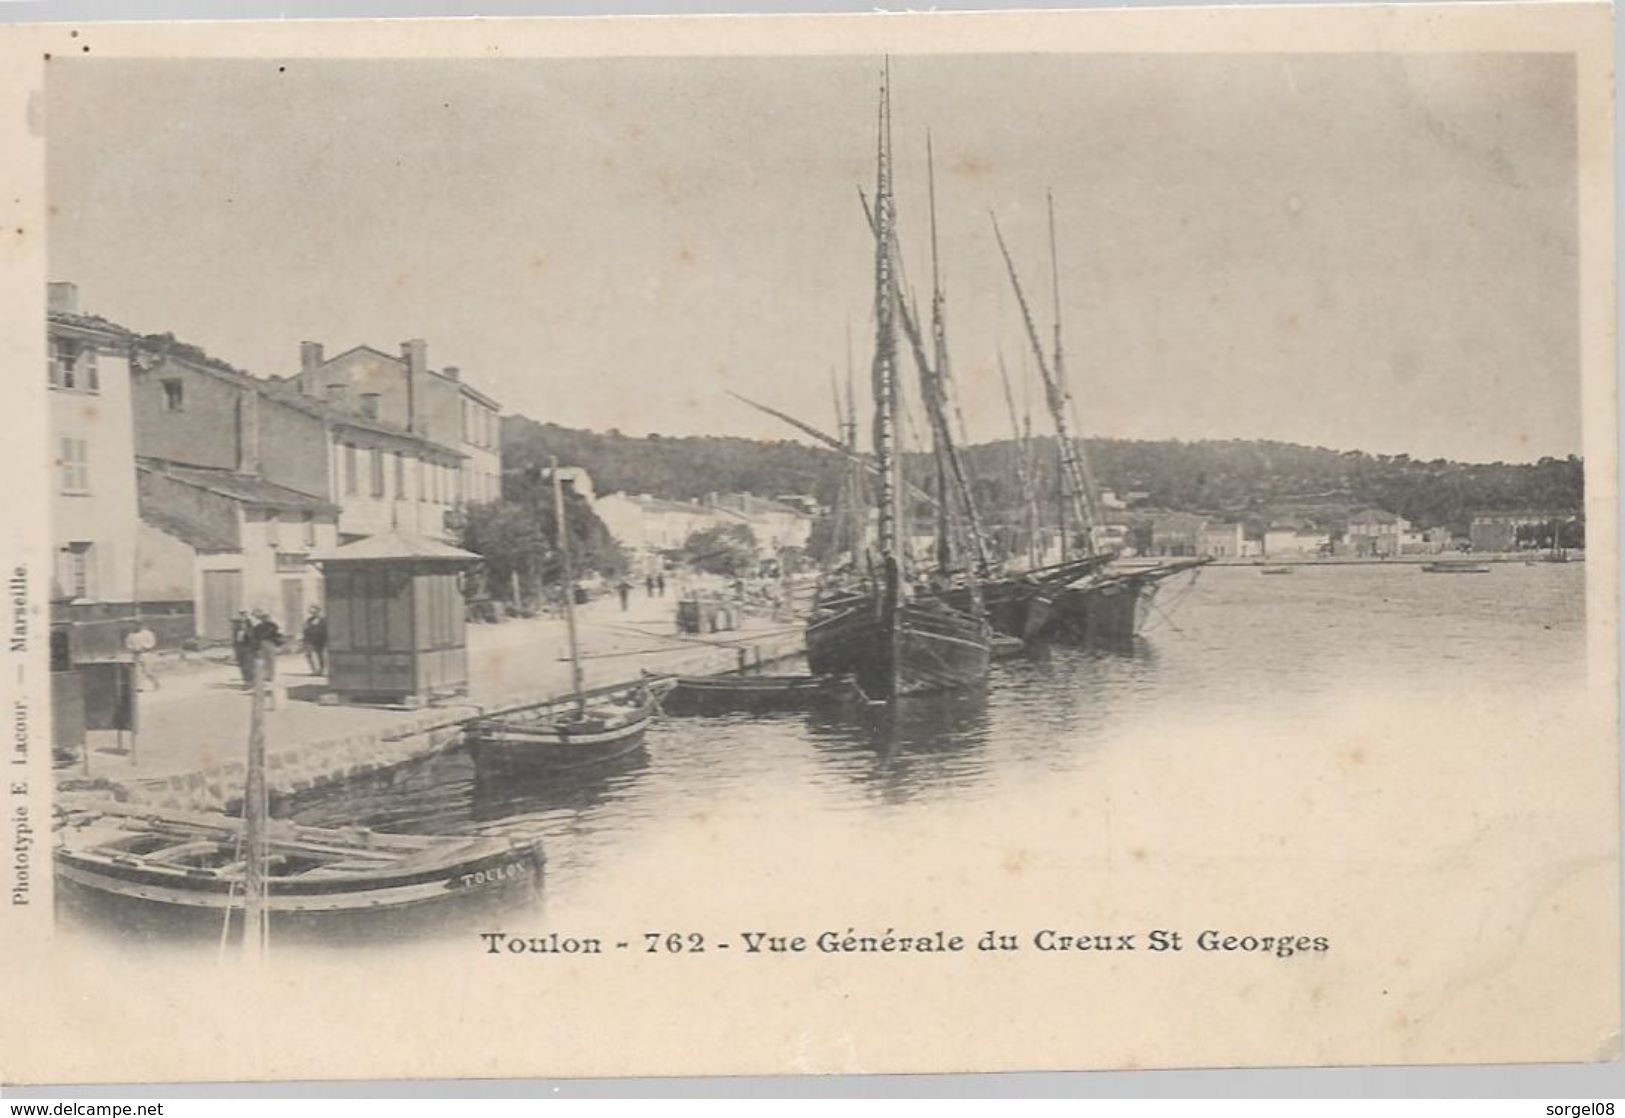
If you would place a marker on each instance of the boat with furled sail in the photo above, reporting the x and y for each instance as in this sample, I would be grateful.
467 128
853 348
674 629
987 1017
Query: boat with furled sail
1103 603
894 635
581 730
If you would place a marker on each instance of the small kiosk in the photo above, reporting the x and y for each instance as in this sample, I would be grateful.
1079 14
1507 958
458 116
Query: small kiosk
396 626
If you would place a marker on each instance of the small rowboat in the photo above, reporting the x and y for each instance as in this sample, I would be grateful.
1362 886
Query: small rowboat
173 867
1456 567
1276 571
565 736
714 693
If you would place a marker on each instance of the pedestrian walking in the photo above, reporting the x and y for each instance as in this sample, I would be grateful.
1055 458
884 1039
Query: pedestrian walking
624 589
660 583
242 643
315 637
649 585
266 638
138 642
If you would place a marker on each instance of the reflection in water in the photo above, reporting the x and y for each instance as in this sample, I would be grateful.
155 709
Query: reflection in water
509 793
1238 648
919 742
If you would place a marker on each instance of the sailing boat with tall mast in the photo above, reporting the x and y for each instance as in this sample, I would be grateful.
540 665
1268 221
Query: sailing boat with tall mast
1104 604
592 727
892 638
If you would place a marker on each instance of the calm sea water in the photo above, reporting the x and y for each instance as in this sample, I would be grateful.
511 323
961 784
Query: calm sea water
1228 645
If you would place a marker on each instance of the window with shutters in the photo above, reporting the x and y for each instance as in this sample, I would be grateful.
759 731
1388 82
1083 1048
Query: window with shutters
377 464
350 480
75 466
75 571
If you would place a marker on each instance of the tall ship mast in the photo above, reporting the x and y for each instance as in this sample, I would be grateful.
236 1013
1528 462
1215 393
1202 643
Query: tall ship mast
1104 605
891 638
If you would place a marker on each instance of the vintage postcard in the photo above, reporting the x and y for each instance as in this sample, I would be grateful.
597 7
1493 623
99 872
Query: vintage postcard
924 543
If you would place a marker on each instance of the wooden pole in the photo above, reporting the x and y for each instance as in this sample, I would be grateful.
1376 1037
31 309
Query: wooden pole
255 924
576 683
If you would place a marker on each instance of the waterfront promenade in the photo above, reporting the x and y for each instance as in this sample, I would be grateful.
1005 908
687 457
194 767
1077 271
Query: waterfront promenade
193 729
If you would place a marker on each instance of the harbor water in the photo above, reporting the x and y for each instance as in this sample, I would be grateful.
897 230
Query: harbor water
1227 649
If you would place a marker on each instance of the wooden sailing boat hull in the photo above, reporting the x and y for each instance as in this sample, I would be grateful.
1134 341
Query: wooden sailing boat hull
1020 605
179 870
718 694
554 739
937 648
1109 610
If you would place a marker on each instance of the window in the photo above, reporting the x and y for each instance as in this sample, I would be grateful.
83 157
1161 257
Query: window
377 465
76 570
75 463
369 405
273 529
89 380
310 530
336 394
349 468
400 476
174 395
468 428
61 362
421 493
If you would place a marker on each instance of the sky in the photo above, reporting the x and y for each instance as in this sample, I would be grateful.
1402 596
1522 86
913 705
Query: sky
1359 251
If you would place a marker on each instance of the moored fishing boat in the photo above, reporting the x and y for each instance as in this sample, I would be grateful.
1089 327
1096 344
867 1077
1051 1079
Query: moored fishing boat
176 867
1112 606
735 692
1456 567
592 729
924 645
892 638
1275 570
566 734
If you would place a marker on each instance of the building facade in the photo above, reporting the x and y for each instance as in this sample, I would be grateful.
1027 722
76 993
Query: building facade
1498 531
406 394
1376 534
192 411
93 487
1222 541
230 541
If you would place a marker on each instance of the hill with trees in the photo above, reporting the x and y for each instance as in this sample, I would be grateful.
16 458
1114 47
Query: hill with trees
1250 480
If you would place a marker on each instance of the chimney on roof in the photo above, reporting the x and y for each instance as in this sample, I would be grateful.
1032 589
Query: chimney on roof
452 372
415 355
248 431
62 298
310 361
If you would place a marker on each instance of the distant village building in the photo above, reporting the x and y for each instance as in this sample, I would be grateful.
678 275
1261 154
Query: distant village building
1177 533
1297 540
776 525
1376 533
1498 531
648 526
1222 541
